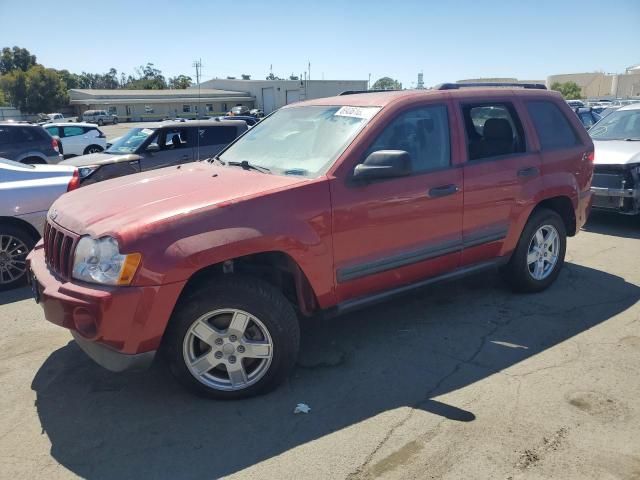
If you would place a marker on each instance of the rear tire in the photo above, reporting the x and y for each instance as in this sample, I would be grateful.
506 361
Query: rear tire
539 255
15 244
233 362
100 122
92 149
115 121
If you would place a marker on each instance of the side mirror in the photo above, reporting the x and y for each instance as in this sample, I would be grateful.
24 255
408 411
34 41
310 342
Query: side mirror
384 164
153 147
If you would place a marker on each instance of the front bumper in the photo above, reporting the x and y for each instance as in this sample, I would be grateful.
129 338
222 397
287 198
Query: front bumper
119 327
622 200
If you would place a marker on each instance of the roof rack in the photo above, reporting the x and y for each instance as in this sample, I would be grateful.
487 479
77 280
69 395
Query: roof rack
456 86
355 92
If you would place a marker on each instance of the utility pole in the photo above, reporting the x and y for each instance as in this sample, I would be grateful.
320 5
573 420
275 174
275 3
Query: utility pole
197 64
369 83
309 70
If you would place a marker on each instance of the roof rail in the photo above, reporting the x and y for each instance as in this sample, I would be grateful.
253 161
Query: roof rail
355 92
456 86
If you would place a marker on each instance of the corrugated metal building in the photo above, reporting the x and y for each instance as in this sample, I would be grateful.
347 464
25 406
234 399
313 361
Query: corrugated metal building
272 94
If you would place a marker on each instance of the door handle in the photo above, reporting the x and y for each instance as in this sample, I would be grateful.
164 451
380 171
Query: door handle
443 191
529 172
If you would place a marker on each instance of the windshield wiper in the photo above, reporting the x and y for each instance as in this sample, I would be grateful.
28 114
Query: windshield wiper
215 159
249 166
632 139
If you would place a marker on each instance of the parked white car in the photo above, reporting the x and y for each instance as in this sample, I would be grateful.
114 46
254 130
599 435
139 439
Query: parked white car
26 193
616 177
50 118
78 138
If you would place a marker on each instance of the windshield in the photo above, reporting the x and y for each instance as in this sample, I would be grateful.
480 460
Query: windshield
619 125
302 140
130 142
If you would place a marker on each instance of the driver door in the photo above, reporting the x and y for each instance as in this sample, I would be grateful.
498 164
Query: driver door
395 231
170 146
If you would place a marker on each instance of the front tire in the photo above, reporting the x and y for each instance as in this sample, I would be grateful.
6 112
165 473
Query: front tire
233 337
539 255
92 149
15 244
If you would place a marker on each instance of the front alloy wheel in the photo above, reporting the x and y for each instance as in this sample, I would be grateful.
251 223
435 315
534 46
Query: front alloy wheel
228 349
15 245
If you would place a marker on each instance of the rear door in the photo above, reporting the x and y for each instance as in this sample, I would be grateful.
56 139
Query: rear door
175 147
395 231
212 139
501 175
73 140
26 141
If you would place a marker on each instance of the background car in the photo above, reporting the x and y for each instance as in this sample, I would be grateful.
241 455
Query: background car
616 178
99 117
240 110
50 117
250 120
157 146
26 193
587 116
575 103
78 138
28 143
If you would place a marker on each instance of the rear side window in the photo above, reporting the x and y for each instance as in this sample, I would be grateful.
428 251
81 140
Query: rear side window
493 130
72 131
24 135
216 135
52 130
552 127
423 133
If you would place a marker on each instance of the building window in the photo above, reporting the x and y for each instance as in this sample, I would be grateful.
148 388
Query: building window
224 108
209 107
186 108
113 110
148 109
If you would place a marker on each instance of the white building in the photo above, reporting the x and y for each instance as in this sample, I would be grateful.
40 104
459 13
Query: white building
272 94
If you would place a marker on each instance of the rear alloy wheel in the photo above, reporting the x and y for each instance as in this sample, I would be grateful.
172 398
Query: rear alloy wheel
93 149
539 255
100 122
15 245
231 338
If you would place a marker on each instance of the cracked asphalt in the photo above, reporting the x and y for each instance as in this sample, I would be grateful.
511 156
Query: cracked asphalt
460 380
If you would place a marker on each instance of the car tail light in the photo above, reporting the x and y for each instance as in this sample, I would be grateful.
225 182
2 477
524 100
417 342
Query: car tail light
590 156
54 145
74 182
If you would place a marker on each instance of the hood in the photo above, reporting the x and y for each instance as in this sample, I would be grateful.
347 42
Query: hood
616 152
130 202
99 159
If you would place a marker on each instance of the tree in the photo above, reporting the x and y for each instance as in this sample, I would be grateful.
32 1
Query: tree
569 90
271 76
294 77
16 58
147 78
245 76
180 82
387 83
71 80
38 89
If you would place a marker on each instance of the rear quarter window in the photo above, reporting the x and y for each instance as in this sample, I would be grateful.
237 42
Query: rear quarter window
553 129
216 135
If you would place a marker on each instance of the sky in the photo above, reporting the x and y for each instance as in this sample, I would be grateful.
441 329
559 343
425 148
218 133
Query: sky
347 39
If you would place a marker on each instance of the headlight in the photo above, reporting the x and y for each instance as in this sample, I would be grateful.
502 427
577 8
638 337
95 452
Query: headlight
100 261
84 172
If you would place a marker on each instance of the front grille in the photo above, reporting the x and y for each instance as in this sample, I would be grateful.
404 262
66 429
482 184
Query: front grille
58 249
608 180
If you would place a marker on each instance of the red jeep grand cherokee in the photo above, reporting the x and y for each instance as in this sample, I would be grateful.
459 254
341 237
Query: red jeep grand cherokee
327 205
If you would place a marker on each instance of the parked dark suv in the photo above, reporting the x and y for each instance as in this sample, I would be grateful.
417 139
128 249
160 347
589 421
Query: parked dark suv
323 207
156 146
28 143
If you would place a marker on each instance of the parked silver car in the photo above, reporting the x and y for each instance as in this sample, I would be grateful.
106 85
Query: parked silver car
100 117
616 178
26 193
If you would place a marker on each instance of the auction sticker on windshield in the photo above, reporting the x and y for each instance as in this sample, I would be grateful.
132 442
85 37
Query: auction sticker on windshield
366 113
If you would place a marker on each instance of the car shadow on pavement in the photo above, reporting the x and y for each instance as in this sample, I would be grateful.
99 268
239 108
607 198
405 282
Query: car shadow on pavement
403 353
613 224
15 295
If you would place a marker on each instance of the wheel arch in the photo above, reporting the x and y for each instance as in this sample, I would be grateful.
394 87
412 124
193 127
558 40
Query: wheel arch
23 224
564 207
276 267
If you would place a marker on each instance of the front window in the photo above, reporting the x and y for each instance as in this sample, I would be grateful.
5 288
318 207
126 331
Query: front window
130 142
300 140
619 125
